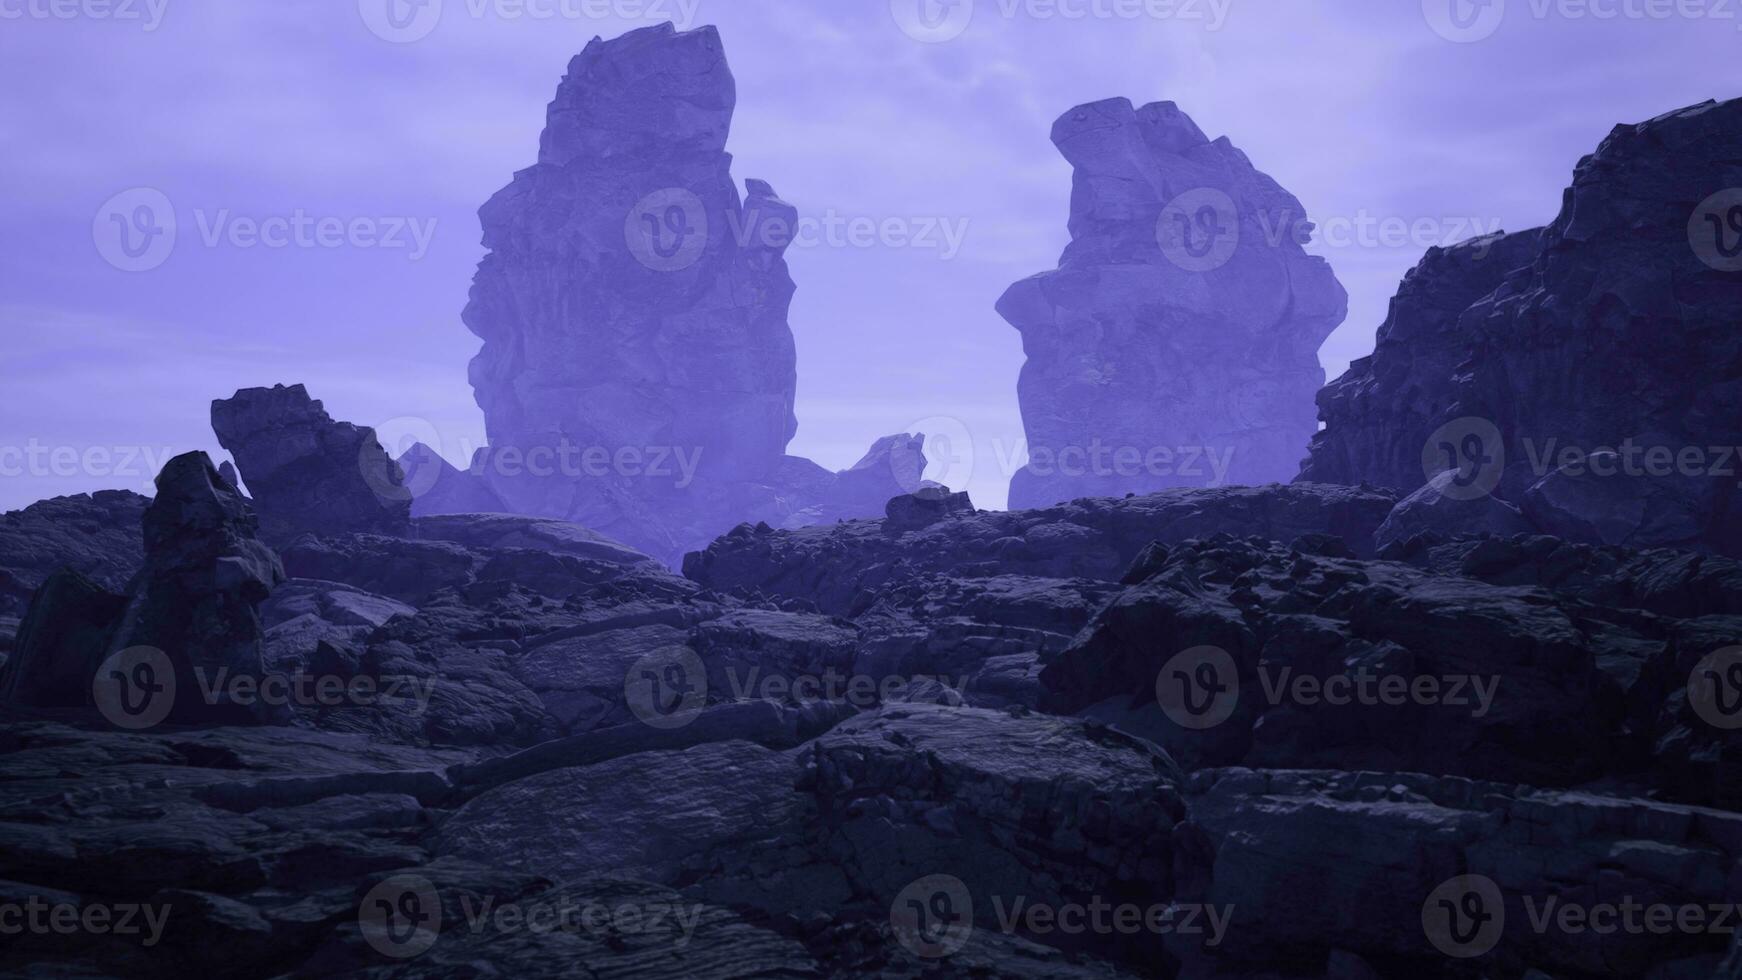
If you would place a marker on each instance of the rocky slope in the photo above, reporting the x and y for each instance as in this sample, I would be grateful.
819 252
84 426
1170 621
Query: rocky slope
1177 342
1588 373
912 747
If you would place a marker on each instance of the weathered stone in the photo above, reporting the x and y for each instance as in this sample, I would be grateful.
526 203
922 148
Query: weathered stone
1177 342
841 567
1433 510
1529 359
96 536
308 473
197 599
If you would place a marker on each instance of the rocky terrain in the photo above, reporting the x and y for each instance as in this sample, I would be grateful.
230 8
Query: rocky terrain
1586 374
638 373
1177 342
915 746
326 713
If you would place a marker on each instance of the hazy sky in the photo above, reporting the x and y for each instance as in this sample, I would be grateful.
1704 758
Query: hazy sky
1377 114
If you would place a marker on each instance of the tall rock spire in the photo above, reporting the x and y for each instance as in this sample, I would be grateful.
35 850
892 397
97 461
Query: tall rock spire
1177 342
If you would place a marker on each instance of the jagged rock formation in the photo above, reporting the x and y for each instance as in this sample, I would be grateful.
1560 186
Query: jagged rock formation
189 623
198 595
1595 361
308 473
1177 343
638 374
1378 416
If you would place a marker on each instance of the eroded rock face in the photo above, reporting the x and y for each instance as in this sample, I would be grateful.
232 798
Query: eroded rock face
637 374
1177 342
308 473
1378 416
1609 331
198 597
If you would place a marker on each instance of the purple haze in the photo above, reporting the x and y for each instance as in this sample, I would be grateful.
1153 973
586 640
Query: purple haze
243 112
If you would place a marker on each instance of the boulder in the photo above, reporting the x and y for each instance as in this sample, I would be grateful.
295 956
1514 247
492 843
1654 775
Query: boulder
923 508
1436 508
1177 342
307 472
60 643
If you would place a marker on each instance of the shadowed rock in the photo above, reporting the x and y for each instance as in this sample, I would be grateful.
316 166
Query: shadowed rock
95 535
1177 343
306 471
1587 371
197 598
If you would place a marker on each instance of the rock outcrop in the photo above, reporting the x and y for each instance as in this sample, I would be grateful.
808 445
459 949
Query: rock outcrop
1588 372
1177 343
187 632
840 567
95 535
197 599
308 473
638 374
